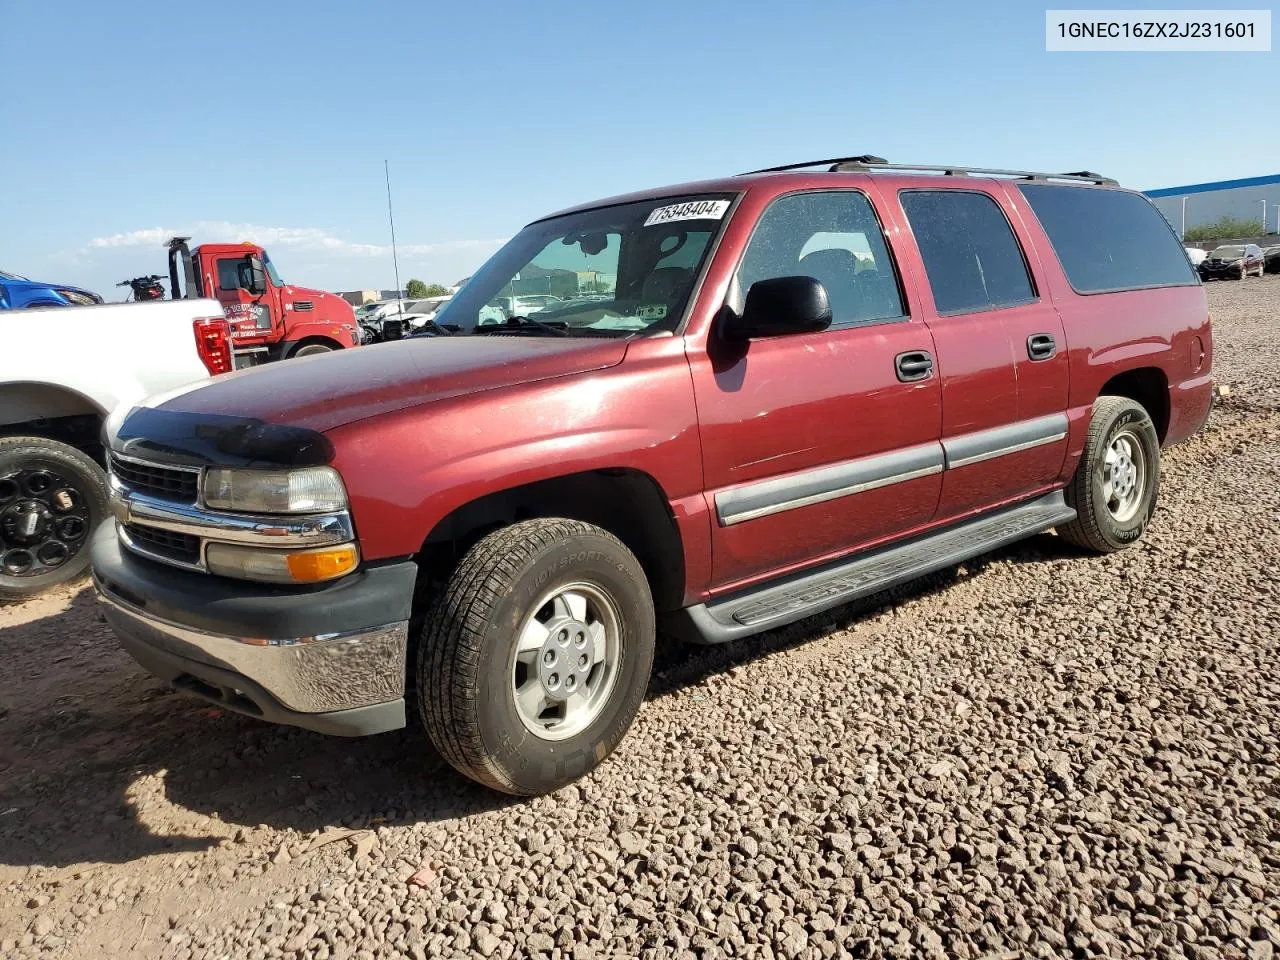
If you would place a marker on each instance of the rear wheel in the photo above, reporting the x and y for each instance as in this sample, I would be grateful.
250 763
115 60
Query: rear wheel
1117 481
311 350
52 497
535 656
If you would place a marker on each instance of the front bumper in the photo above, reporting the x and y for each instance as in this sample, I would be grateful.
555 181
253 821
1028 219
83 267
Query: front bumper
330 658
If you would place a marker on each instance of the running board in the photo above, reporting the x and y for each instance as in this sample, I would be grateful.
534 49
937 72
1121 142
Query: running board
801 595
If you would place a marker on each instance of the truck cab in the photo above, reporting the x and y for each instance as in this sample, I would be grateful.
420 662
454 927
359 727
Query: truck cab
270 319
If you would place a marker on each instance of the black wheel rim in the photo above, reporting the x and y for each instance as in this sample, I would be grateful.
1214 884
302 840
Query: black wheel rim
44 521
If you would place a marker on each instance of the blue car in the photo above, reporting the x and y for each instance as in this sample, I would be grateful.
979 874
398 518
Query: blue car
17 292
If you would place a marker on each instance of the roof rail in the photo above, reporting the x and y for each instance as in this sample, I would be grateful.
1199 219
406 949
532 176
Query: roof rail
833 162
870 164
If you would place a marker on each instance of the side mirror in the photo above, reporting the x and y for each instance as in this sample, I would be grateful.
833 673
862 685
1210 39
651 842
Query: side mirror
779 306
253 276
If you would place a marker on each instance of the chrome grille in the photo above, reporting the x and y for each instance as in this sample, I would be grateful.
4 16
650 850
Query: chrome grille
167 483
164 543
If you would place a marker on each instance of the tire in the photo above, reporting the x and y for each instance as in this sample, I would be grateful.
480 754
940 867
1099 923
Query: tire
468 667
1105 520
67 491
311 350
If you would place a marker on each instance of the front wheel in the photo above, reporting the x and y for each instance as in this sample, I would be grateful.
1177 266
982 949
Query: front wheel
311 350
52 497
536 654
1117 481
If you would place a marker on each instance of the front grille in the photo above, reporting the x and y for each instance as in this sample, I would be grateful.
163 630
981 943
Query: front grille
165 543
163 482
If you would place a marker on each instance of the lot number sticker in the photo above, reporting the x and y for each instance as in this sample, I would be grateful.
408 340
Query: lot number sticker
693 210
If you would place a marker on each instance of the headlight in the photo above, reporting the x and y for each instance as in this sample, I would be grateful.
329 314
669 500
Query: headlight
281 566
305 490
80 299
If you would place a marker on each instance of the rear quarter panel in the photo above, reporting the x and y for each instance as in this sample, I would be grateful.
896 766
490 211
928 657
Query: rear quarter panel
110 354
407 471
1111 333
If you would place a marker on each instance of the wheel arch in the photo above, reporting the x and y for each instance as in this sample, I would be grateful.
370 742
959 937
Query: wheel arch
291 347
52 411
1147 386
628 503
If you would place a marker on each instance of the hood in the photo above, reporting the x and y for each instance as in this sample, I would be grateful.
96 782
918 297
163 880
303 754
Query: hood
330 300
326 391
19 288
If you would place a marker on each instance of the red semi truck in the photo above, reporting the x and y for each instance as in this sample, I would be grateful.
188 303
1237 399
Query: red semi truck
270 319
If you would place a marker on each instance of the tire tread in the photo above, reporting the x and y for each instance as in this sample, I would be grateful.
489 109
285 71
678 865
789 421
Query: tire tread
1084 531
46 447
455 631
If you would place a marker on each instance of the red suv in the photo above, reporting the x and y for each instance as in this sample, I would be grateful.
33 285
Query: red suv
750 400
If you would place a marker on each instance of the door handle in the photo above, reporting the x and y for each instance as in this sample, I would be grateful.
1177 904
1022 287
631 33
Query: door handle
913 365
1041 346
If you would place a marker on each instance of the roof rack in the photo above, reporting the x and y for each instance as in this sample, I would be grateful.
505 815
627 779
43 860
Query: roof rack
869 164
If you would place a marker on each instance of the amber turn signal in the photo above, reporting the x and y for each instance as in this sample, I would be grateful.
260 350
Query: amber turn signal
282 566
315 565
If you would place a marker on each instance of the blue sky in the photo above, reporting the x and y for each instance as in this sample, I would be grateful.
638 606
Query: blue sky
271 121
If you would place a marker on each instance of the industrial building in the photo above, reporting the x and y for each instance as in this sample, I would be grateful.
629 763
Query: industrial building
1200 204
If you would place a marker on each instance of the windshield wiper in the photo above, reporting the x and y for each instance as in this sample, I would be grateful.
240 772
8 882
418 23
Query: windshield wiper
524 324
441 329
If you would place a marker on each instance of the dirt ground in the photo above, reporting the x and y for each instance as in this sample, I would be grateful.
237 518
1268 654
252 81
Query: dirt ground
1035 754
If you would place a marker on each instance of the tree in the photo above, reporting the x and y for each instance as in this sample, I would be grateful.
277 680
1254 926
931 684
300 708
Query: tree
1228 228
417 290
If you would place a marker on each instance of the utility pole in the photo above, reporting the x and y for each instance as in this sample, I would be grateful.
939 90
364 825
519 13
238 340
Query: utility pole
386 166
1183 234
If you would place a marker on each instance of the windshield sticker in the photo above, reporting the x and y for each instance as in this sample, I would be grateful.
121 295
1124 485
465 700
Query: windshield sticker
652 311
693 210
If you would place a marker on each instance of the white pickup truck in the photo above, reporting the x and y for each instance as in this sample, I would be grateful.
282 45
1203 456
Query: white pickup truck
62 373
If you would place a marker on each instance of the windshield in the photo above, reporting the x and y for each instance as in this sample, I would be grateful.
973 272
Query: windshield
613 271
1227 253
271 270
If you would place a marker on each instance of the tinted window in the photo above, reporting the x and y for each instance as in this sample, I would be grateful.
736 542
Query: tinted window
970 254
834 238
1108 239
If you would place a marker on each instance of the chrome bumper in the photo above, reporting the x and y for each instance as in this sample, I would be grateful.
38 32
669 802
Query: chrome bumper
303 675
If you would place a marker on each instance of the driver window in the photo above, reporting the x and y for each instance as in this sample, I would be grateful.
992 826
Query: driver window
229 273
836 239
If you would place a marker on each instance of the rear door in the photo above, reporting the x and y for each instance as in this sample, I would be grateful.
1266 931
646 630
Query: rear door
813 445
1001 350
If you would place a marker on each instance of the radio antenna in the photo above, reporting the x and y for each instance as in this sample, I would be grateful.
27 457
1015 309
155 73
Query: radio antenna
386 166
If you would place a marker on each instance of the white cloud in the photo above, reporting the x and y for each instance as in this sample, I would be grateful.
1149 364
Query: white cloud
298 238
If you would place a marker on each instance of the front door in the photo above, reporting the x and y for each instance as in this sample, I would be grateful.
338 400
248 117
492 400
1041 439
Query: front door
249 314
817 444
1001 348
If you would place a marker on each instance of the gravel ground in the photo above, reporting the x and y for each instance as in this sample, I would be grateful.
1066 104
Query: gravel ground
1036 754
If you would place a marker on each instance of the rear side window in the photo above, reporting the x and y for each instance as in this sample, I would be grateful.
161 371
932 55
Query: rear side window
1108 239
970 253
